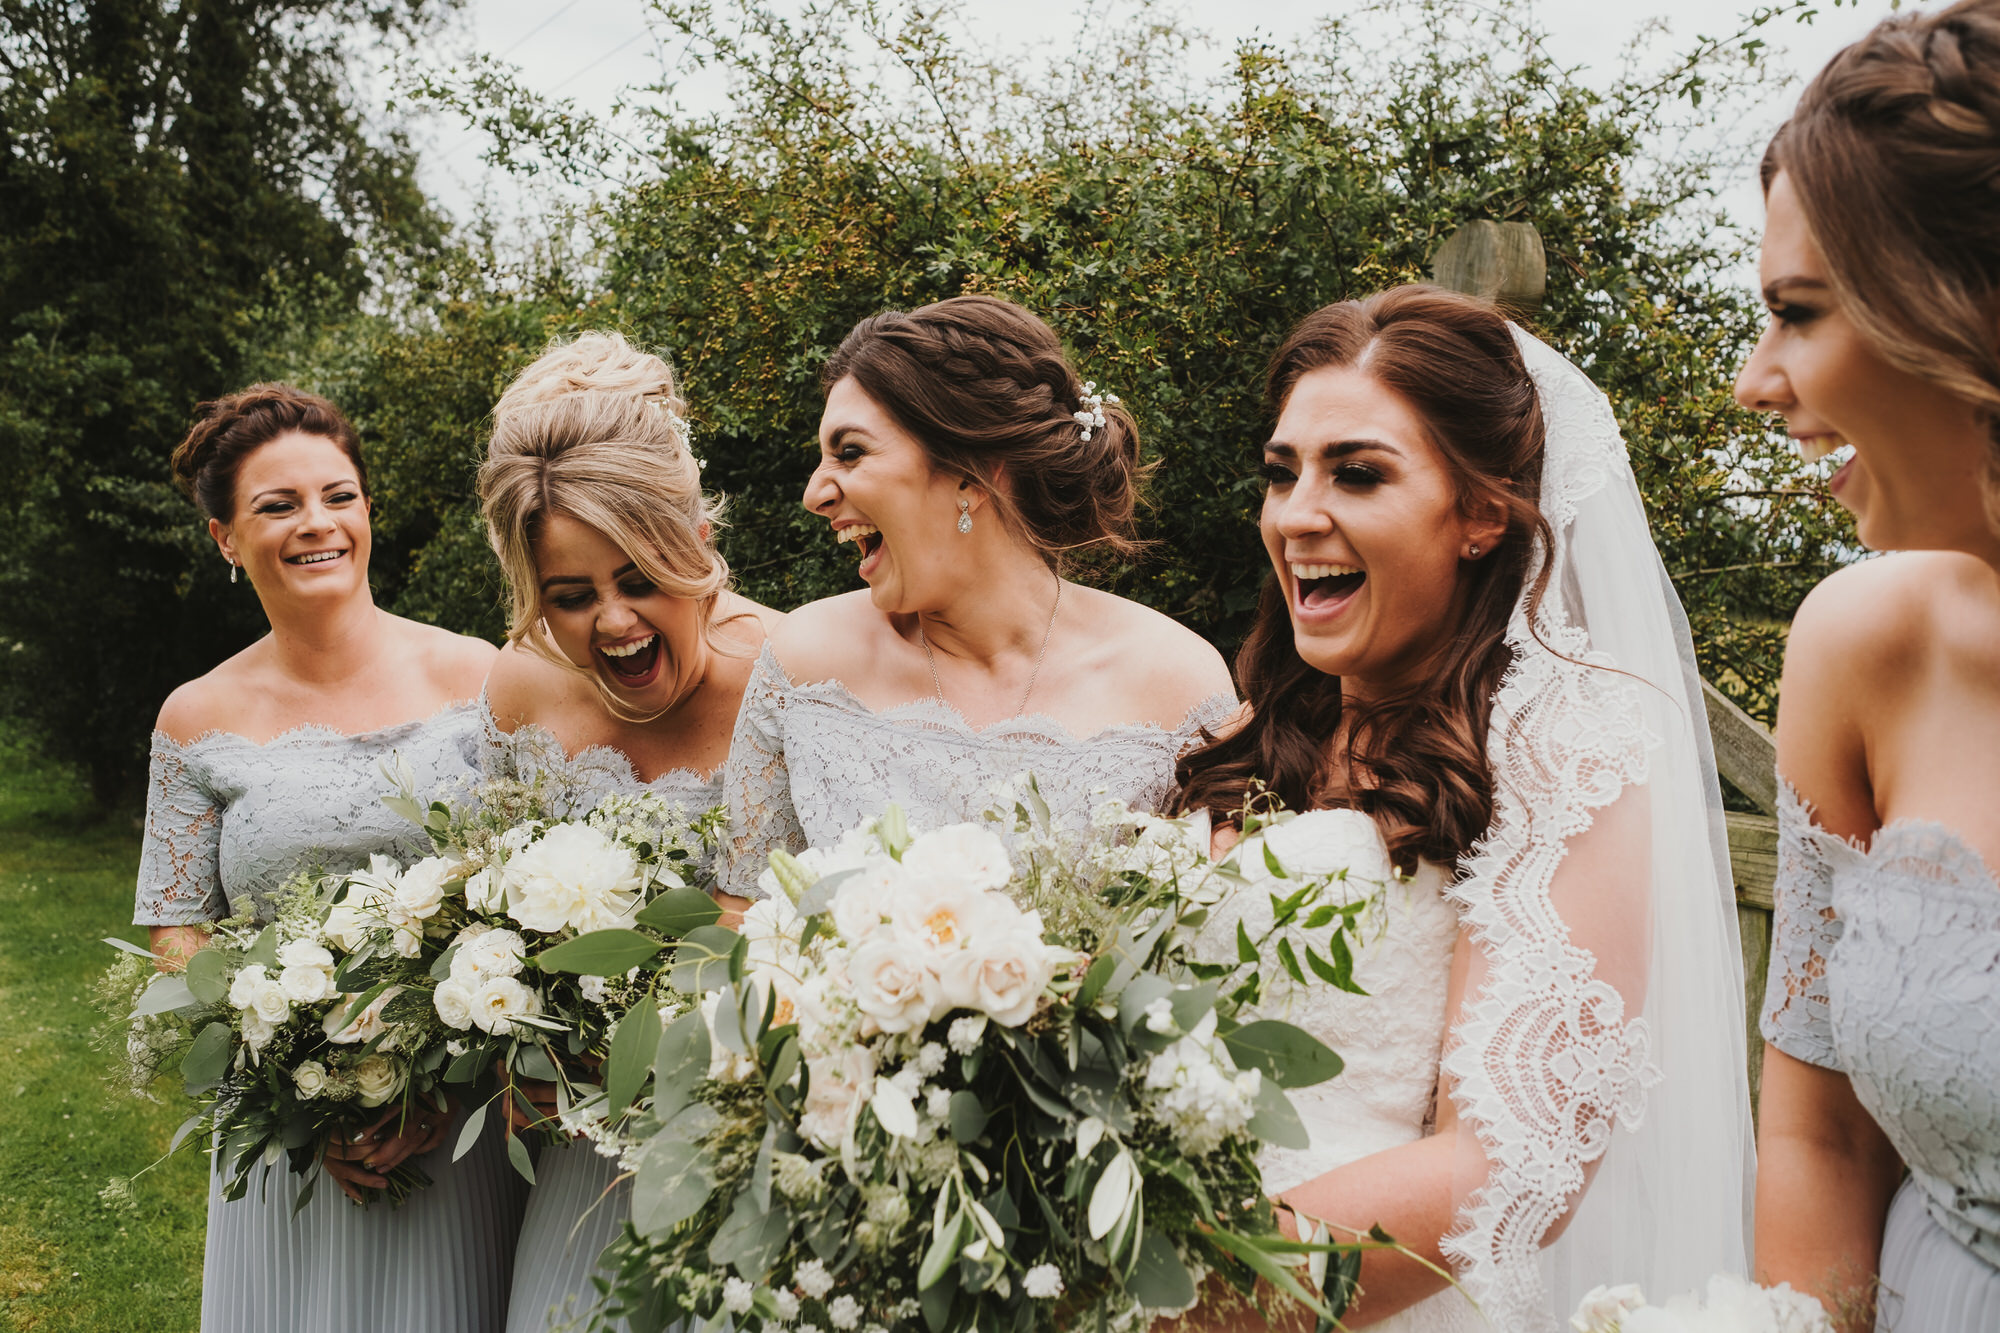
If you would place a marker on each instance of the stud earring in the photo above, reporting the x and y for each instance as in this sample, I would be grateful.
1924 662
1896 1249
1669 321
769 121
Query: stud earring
234 569
1472 551
964 514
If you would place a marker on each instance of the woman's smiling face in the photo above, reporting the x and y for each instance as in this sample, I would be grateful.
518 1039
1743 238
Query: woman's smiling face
608 618
876 485
1365 530
1916 475
301 523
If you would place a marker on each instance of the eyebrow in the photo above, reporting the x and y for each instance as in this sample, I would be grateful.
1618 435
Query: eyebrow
350 483
1334 449
554 579
839 433
1771 289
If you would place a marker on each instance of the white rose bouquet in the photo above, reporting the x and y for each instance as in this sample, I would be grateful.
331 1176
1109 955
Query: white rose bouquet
1729 1305
943 1085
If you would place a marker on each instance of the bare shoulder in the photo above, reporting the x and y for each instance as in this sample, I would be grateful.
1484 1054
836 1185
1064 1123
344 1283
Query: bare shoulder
456 663
212 701
524 686
1870 623
746 622
835 638
1169 665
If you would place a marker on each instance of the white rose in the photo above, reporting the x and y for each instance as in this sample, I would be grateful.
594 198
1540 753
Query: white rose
421 889
268 998
486 892
453 1001
377 1078
1001 975
944 917
490 954
304 953
1321 842
364 1028
573 878
502 1000
307 985
348 926
967 854
862 901
891 983
257 1033
243 988
310 1078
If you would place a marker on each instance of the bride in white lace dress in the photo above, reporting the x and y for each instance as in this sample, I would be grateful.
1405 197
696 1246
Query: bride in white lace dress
624 668
1469 640
962 458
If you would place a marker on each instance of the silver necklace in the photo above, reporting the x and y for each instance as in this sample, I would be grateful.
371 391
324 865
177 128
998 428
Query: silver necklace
937 686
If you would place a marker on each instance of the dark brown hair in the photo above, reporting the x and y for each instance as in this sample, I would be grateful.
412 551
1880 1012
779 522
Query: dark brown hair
229 429
1416 761
1894 151
984 386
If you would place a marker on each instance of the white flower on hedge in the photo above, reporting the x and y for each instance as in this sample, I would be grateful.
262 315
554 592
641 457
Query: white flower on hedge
1603 1308
377 1078
1042 1282
421 889
891 984
453 1001
574 878
500 1001
364 1028
736 1294
310 1078
489 954
965 854
1002 974
1319 842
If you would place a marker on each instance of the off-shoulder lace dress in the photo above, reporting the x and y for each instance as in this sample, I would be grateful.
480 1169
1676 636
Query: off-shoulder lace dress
228 821
1885 966
808 762
579 1203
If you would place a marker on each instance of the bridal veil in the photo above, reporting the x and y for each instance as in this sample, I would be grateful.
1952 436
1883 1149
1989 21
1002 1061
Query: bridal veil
1599 1043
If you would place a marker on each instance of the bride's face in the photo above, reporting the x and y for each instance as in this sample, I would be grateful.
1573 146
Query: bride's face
609 619
1364 529
1914 474
877 487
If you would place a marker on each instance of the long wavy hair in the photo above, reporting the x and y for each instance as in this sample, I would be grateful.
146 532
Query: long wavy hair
1415 760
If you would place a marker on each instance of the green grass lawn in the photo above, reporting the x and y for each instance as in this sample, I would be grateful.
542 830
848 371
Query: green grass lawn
68 1260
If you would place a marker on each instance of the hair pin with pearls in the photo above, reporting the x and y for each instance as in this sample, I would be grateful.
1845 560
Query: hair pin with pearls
1091 418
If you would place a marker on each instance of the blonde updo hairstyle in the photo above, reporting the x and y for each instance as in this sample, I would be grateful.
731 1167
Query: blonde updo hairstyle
595 430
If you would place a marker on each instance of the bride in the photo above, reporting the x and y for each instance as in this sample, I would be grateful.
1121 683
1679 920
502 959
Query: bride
1469 639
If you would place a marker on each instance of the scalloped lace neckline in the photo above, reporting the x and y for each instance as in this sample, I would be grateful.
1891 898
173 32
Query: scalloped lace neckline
1906 836
937 711
315 731
609 756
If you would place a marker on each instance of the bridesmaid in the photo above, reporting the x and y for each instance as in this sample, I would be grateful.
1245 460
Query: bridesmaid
962 459
268 765
1881 267
623 671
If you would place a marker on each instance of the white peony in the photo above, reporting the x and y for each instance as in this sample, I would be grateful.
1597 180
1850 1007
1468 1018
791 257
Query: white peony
421 889
1319 842
310 1078
967 854
364 1028
1001 974
453 1001
489 954
573 878
500 1001
891 983
377 1078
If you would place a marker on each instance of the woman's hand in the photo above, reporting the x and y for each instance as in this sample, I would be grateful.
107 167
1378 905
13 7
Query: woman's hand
540 1095
364 1160
175 945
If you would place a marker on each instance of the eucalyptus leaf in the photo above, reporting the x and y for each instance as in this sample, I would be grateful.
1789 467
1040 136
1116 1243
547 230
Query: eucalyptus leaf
944 1247
1140 992
678 911
264 949
1274 1120
517 1153
187 1128
601 953
1288 1055
164 993
130 947
531 1061
1246 952
1159 1278
672 1184
207 976
207 1060
680 1063
702 959
967 1116
818 895
468 1133
630 1058
750 1238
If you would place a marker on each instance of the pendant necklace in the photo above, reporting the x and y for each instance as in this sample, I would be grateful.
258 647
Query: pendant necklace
937 686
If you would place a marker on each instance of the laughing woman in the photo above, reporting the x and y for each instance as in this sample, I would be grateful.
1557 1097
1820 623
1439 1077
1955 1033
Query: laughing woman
269 765
624 668
1881 265
962 459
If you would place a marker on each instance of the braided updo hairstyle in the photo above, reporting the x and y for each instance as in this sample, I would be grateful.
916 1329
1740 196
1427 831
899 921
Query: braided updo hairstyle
227 430
1894 152
985 388
594 430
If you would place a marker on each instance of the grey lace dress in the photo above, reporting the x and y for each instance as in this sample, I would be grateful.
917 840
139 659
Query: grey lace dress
808 762
579 1202
228 821
1885 966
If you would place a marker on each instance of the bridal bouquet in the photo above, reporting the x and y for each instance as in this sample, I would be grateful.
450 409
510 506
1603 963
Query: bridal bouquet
1730 1305
512 952
949 1086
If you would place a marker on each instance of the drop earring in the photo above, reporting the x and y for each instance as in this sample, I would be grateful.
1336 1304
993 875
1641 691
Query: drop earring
964 515
234 569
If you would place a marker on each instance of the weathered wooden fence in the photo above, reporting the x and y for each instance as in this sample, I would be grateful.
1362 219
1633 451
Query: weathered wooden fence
1745 755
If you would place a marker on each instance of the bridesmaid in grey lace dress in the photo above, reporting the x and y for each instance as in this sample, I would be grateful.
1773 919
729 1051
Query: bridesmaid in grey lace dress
1883 1010
270 765
625 665
961 458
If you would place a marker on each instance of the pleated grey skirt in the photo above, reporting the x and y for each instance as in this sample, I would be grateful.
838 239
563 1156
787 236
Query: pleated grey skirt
1930 1282
441 1263
574 1211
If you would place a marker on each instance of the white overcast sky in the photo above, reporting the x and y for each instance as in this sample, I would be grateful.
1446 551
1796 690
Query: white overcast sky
590 50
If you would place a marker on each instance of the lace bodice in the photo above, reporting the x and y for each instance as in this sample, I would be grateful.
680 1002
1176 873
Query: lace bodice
577 782
808 762
229 820
1886 966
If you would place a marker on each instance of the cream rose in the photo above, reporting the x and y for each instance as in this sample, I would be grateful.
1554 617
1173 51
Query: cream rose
943 917
490 954
573 878
1001 975
862 902
453 1001
310 1078
891 983
500 1001
421 889
366 1027
966 854
377 1078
